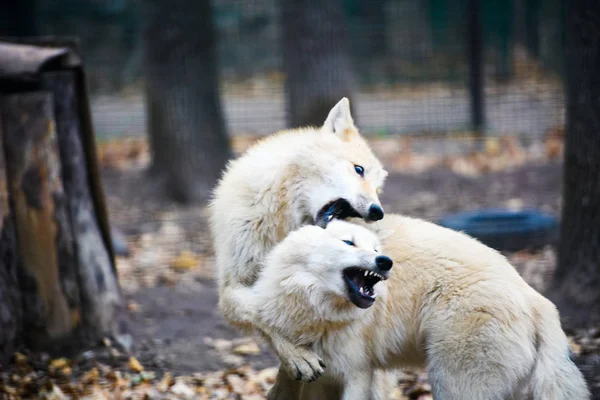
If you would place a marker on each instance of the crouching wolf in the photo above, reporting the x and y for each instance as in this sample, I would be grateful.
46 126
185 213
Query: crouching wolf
449 302
287 180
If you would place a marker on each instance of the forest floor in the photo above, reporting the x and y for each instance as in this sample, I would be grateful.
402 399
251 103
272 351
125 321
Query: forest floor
179 346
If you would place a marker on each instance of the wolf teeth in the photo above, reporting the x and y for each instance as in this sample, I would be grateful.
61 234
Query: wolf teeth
366 273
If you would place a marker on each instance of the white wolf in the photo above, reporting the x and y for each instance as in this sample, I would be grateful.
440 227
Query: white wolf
450 303
293 178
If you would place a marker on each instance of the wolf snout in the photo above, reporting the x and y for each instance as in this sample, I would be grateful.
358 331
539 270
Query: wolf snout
384 263
375 213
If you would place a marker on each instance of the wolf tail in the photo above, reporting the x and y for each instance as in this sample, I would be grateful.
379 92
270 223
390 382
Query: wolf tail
555 376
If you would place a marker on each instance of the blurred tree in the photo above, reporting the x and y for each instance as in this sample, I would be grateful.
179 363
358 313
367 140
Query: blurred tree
315 59
187 132
576 286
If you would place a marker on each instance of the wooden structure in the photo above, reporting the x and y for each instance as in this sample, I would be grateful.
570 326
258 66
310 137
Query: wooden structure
58 283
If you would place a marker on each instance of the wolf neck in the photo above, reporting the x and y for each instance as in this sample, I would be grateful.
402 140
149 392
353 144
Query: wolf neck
285 205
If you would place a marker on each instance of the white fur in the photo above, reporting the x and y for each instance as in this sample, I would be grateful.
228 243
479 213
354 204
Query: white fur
452 304
279 185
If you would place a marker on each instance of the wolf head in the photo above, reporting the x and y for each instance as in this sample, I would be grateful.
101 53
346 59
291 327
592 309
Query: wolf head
344 176
344 260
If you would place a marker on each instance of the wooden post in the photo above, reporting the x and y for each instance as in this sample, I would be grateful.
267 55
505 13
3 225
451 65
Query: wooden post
47 263
100 292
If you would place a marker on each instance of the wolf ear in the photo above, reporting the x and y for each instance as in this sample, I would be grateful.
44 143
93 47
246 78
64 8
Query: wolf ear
339 120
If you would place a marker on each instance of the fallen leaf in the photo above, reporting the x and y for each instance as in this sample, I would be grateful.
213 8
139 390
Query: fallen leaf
133 306
183 390
135 365
249 349
232 360
20 358
267 375
59 363
165 383
185 261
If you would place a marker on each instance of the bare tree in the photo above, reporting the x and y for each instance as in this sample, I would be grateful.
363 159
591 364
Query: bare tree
185 123
576 286
315 58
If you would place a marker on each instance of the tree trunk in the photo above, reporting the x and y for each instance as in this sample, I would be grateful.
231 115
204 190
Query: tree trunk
10 307
475 59
96 275
187 132
315 59
46 259
532 26
576 286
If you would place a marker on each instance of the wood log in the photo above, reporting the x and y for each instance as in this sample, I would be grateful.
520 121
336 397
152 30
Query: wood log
47 265
10 307
99 287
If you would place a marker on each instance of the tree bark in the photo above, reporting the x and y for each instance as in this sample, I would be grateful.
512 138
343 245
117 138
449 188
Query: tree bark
10 307
187 132
96 275
46 260
315 59
576 285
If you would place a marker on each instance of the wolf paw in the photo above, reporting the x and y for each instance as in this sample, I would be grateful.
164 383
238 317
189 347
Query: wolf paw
304 366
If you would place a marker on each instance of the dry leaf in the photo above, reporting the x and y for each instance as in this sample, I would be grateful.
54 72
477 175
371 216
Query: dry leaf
135 365
185 261
59 363
20 358
133 306
183 390
165 383
248 349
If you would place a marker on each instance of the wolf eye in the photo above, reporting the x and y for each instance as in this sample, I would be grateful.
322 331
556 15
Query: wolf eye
348 242
359 170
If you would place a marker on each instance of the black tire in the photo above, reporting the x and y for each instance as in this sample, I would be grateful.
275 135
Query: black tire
506 230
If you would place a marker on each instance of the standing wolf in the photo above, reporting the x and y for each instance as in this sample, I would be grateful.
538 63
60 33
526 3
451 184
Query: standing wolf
449 302
293 178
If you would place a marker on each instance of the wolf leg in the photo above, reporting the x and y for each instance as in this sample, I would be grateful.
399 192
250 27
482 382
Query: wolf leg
298 362
236 305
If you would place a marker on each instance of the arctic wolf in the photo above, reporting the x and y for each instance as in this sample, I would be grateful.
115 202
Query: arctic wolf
290 179
449 303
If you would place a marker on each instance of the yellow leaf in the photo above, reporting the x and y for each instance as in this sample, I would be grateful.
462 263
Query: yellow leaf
91 376
135 365
59 363
185 261
20 358
248 349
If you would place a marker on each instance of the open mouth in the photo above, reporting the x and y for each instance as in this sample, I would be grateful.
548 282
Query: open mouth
339 209
360 282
